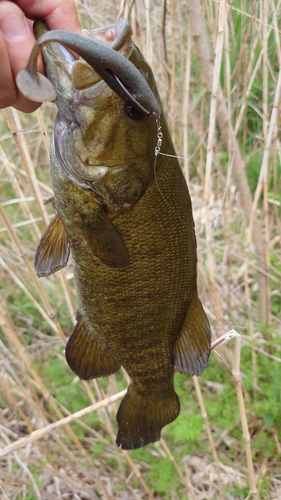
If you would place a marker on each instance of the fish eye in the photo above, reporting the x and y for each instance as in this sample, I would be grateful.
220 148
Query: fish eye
133 113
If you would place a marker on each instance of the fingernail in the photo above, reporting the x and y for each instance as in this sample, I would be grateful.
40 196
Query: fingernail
13 26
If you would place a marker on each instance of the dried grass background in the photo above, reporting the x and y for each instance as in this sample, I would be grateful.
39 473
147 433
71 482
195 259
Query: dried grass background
220 83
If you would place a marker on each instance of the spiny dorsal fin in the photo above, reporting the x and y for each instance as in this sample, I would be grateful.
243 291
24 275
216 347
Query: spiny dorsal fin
83 76
105 241
192 348
53 250
85 357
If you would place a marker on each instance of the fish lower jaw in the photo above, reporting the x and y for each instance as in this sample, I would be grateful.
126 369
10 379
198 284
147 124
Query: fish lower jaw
93 173
97 161
94 169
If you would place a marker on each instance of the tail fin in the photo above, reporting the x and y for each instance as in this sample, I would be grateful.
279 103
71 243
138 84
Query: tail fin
141 419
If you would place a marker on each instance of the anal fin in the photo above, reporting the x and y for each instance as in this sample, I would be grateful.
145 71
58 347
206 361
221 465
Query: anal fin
105 241
85 357
192 348
53 250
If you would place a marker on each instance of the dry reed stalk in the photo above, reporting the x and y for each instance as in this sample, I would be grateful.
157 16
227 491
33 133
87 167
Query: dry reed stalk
243 417
251 324
213 106
204 56
39 433
267 242
226 194
202 148
249 78
227 65
238 386
274 11
173 73
223 339
265 60
210 150
249 75
44 131
149 47
264 4
185 107
209 432
252 73
88 429
138 29
175 465
138 475
271 136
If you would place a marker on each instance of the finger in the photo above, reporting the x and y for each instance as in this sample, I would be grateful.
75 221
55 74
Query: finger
16 42
58 14
8 92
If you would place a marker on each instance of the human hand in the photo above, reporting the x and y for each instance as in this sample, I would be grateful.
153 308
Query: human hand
17 40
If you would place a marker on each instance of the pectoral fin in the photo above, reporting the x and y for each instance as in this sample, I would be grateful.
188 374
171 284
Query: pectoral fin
53 250
105 241
192 348
85 357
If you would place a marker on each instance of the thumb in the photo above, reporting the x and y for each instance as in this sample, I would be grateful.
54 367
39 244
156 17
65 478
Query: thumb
16 42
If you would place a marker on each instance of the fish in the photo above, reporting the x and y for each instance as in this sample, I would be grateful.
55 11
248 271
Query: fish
124 213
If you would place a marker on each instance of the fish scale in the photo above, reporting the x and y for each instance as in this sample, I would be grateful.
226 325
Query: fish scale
131 293
126 218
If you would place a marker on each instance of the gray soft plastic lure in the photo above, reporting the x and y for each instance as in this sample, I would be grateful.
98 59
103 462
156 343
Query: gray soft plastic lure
116 70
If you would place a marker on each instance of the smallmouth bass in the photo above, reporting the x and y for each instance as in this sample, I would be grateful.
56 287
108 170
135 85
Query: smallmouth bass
127 220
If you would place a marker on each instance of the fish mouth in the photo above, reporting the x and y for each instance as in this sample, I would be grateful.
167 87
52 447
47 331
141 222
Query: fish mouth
107 57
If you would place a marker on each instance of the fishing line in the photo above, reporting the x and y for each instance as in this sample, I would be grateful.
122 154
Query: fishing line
159 143
175 156
159 136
